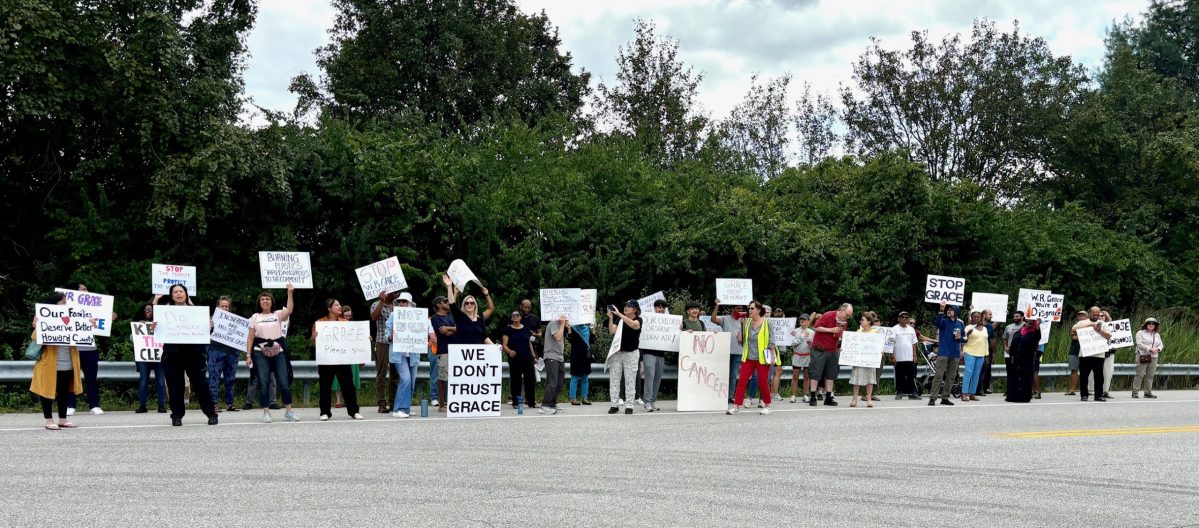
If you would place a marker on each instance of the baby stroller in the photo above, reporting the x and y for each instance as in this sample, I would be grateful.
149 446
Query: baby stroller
924 384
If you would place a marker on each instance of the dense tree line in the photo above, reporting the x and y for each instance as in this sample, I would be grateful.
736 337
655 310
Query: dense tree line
458 129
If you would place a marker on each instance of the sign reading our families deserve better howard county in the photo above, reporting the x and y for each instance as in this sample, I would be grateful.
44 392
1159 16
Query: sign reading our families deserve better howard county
474 384
280 268
56 326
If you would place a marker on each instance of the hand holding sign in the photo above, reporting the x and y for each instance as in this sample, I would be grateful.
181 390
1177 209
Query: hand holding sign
381 277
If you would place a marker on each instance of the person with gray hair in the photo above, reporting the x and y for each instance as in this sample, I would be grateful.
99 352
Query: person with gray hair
826 348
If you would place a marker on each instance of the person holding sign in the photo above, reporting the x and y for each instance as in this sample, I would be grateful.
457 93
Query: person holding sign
144 368
89 355
555 363
1022 347
347 314
624 360
757 354
403 360
380 313
975 354
825 347
580 363
266 348
326 373
801 357
189 359
470 327
952 333
859 376
1091 365
1109 358
55 375
1149 346
731 325
653 363
222 363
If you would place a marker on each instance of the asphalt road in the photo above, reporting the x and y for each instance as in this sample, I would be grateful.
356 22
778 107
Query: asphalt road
1127 463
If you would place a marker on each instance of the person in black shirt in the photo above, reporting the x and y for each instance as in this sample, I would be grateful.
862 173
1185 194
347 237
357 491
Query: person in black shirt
519 348
624 361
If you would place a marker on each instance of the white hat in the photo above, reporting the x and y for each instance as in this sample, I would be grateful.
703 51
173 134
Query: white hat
405 296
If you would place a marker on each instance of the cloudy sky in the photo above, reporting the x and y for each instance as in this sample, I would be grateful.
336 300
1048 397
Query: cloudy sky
815 40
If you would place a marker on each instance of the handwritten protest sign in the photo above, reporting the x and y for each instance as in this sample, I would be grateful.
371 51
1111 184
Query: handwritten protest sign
708 324
474 384
1091 343
950 290
280 268
660 331
90 306
556 302
182 325
1046 326
587 306
460 274
780 330
647 303
703 371
888 339
614 348
1042 305
230 329
995 302
146 348
410 327
735 292
56 326
343 342
859 349
384 276
163 276
1121 331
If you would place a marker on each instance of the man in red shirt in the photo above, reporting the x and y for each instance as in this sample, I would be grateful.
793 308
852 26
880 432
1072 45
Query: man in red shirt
825 349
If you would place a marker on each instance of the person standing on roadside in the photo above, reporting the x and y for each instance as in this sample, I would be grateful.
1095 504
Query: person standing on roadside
1149 347
55 375
975 353
181 359
444 327
731 324
826 347
757 354
327 373
1091 365
1009 333
554 355
905 357
801 357
624 361
380 313
653 364
952 333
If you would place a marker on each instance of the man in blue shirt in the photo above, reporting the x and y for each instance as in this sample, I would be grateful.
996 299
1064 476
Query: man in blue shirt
952 333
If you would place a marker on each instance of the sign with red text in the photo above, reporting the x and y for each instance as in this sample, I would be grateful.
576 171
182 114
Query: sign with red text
146 348
384 276
90 306
703 371
163 276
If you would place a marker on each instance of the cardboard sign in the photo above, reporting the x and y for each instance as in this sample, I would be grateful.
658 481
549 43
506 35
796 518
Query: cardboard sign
556 302
708 324
1091 343
90 306
343 342
410 330
56 326
146 348
950 290
280 268
1121 331
660 332
859 349
587 306
735 292
230 329
780 330
995 302
384 276
703 371
163 276
183 325
460 275
647 303
1042 305
474 385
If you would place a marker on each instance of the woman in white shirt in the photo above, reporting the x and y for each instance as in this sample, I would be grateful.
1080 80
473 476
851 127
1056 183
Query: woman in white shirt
267 347
1149 346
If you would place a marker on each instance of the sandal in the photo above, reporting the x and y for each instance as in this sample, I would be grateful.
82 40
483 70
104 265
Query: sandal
853 403
51 427
67 425
870 405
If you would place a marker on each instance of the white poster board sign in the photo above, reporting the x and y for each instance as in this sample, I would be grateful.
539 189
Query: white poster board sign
950 290
888 339
280 268
703 371
995 302
163 276
1121 331
587 306
343 342
1046 326
230 329
1042 305
859 349
384 276
474 384
181 325
460 274
647 303
735 292
780 330
556 302
708 324
614 348
56 326
146 348
1091 343
88 305
660 331
410 330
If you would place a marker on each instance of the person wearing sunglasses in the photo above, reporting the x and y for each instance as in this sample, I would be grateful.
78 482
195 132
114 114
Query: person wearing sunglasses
470 327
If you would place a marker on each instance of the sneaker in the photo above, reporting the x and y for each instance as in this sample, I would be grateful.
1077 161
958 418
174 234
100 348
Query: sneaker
266 417
1084 398
546 410
1150 395
97 411
212 420
324 417
620 402
434 402
141 410
70 411
749 402
932 402
760 406
640 401
399 414
1134 395
613 409
733 409
162 410
776 397
820 396
1100 399
812 402
1071 393
575 402
829 401
358 416
899 396
656 408
765 411
805 398
177 422
648 408
913 397
945 401
793 399
628 410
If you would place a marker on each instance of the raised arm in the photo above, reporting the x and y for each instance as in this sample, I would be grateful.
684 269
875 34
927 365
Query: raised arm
490 305
291 304
451 292
715 310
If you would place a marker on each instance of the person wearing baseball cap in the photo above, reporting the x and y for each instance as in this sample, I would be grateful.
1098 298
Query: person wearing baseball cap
624 361
1149 346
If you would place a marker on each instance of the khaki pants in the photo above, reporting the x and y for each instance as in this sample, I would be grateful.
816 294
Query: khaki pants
1145 373
944 377
384 392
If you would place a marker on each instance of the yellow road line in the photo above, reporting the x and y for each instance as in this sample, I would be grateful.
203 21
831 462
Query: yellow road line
1099 432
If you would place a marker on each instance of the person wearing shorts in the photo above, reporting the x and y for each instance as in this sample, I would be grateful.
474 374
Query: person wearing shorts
825 351
801 356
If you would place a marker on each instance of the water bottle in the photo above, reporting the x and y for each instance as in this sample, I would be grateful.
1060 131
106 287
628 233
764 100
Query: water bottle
424 408
520 405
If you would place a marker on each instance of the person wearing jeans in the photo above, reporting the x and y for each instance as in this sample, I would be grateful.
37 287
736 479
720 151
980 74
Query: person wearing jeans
580 363
267 349
624 360
1149 346
89 364
731 324
222 364
380 314
555 363
146 368
978 339
951 333
405 364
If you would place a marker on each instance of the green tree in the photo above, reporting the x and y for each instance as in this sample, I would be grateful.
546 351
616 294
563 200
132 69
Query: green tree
757 129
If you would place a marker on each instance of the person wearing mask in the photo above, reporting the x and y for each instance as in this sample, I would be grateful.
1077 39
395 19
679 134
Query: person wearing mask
1091 366
653 363
89 357
266 348
1149 347
1009 333
522 380
977 343
860 376
801 357
757 354
444 328
222 363
905 357
580 363
555 363
952 333
327 373
380 313
470 327
181 359
623 363
1021 346
826 345
731 324
405 363
145 368
347 314
55 375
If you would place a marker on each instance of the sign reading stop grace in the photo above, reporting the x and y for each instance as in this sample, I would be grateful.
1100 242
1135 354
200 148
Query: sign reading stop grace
384 276
949 290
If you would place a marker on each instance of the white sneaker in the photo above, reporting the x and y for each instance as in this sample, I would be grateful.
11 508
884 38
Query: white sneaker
399 414
793 399
324 417
359 416
765 411
805 398
733 409
97 411
266 417
546 410
760 404
70 411
776 397
640 401
434 403
749 402
619 402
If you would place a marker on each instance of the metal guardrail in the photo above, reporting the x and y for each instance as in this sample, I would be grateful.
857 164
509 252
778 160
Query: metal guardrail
17 371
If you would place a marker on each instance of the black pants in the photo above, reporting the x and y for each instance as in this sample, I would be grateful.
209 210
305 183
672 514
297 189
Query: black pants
62 389
345 378
984 380
555 373
1087 366
192 360
521 376
905 377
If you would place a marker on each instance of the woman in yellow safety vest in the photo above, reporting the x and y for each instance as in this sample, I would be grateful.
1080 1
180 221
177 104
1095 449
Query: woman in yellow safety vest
757 354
